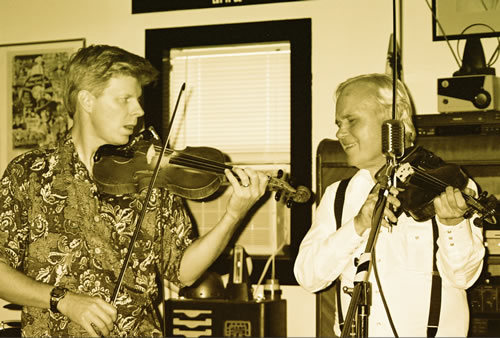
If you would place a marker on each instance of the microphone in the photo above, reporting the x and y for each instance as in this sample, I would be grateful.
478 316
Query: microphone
393 138
393 147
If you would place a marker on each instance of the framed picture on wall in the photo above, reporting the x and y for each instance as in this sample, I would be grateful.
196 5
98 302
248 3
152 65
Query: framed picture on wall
35 113
460 19
147 6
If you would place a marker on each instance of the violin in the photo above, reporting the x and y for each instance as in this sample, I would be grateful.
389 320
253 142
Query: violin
423 175
193 173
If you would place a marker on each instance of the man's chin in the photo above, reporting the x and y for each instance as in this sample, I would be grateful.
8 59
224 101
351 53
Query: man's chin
352 157
119 142
351 162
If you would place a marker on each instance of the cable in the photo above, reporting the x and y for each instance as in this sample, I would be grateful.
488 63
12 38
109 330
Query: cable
394 59
494 56
444 34
382 296
266 266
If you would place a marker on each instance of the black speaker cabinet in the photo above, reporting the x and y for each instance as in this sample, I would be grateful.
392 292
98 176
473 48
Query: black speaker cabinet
225 318
478 155
331 166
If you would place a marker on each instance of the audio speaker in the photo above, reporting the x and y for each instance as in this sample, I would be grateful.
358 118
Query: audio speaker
225 318
468 93
331 166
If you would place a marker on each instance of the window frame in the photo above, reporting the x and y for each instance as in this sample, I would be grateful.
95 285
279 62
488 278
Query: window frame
298 31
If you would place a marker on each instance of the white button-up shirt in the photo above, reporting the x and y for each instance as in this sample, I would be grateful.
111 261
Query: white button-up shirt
404 264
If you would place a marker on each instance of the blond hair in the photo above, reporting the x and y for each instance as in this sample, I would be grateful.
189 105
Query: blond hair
92 67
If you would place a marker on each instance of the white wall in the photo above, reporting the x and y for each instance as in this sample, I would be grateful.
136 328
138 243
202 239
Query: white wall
348 38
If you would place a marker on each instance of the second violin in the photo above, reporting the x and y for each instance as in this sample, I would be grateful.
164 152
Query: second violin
423 175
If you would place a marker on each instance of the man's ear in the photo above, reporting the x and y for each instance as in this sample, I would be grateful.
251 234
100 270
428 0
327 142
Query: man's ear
86 99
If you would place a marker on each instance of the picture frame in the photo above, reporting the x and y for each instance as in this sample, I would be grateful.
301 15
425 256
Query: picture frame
148 6
34 113
460 19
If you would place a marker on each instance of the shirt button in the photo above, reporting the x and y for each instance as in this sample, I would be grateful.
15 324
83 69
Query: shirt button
417 237
452 244
379 323
97 218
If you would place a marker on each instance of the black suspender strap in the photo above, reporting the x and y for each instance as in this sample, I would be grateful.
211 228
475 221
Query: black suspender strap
338 207
339 201
435 308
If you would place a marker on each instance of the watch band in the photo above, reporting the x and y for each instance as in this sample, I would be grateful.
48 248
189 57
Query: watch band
56 295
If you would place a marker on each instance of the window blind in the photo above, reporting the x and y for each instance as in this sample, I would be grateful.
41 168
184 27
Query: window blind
237 99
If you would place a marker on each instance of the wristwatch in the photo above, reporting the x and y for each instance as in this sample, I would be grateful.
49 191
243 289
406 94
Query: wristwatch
56 295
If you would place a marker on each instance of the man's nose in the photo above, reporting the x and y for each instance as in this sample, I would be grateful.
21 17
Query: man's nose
137 109
341 131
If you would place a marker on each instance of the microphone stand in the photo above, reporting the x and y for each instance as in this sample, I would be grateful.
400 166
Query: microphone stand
361 293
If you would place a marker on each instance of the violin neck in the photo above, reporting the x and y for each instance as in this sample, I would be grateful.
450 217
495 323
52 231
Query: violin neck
276 184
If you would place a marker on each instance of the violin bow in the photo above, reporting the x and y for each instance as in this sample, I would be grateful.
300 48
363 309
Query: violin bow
140 219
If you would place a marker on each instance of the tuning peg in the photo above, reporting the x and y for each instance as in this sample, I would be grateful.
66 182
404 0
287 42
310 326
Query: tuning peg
289 203
280 173
348 290
277 196
479 221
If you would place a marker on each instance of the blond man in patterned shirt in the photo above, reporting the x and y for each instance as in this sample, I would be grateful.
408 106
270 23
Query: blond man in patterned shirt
63 242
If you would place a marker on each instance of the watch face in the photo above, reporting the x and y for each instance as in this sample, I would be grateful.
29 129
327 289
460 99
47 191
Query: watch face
58 292
56 295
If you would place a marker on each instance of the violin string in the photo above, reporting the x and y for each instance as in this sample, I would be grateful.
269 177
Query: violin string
430 179
201 163
196 162
441 184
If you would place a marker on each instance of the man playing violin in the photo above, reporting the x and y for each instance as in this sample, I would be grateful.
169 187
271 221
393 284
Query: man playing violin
63 242
403 254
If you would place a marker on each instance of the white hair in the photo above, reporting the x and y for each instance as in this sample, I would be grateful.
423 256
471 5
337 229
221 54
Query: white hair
404 104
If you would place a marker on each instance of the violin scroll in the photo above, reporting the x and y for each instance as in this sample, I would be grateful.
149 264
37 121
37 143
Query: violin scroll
284 191
486 209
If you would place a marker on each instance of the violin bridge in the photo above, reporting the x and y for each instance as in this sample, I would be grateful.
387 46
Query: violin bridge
404 171
150 154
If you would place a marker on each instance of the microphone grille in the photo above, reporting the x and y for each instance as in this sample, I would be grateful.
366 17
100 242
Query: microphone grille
393 138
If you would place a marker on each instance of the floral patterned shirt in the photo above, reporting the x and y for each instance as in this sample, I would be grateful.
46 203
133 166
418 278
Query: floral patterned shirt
57 228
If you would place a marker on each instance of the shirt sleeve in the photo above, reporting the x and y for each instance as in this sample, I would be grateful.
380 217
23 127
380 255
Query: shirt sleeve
13 221
461 251
178 236
325 252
